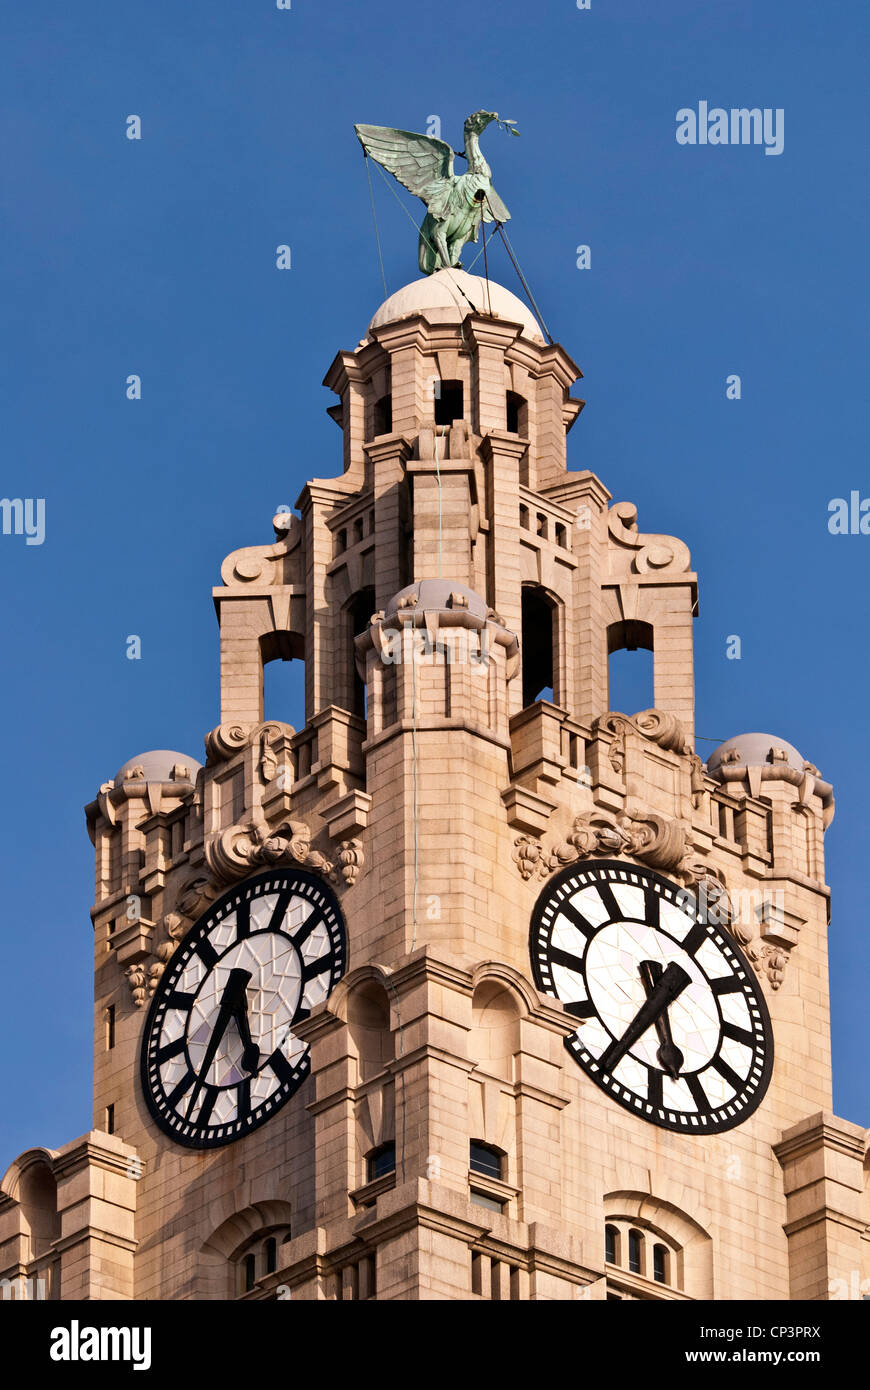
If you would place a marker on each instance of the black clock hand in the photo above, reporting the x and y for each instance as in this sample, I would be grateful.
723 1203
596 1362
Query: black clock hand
234 993
671 984
251 1053
669 1056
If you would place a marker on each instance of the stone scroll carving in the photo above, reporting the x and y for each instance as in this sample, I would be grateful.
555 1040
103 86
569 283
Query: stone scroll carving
655 724
652 554
266 565
238 850
654 839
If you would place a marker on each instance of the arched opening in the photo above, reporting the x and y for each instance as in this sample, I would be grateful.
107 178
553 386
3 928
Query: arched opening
495 1032
611 1245
383 416
448 402
517 413
368 1022
283 658
38 1198
635 1252
630 667
359 610
538 645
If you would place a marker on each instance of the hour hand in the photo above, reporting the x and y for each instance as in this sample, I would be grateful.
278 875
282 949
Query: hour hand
672 983
233 995
669 1056
251 1052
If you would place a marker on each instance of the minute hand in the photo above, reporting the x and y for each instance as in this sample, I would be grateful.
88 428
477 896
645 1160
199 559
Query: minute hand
671 984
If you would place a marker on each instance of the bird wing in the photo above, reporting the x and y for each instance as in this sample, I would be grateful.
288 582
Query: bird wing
422 164
494 209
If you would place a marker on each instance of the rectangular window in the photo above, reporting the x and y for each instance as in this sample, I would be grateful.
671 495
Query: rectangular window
381 1162
110 1027
483 1199
110 1119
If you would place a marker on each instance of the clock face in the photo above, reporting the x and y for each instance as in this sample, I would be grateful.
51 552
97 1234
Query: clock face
219 1055
670 1020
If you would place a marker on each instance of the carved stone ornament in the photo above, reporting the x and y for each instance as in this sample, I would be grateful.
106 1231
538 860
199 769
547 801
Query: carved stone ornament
175 924
226 740
351 859
652 838
655 724
764 957
653 554
268 565
236 851
136 979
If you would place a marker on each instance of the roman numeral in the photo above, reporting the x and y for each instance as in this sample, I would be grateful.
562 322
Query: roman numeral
243 1101
726 984
170 1050
695 938
734 1081
653 905
741 1035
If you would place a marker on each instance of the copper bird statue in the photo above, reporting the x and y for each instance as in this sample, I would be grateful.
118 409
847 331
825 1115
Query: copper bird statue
456 204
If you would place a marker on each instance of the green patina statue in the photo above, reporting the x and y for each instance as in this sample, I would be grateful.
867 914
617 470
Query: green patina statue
456 204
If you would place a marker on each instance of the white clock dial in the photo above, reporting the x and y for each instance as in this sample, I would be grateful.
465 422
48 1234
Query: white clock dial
671 1021
220 1056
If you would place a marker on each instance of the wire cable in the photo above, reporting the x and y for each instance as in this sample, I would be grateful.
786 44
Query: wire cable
375 220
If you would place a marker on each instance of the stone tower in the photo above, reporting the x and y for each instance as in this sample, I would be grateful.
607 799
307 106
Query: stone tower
455 594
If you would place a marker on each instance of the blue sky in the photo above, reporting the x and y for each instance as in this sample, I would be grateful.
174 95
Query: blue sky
157 257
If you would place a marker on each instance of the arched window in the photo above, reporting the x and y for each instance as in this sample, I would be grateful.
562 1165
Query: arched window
249 1272
517 413
538 645
270 1250
360 610
283 658
483 1158
661 1260
630 669
611 1245
368 1022
635 1252
383 415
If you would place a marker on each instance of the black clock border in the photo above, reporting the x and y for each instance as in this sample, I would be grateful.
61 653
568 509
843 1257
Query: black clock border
201 926
753 1101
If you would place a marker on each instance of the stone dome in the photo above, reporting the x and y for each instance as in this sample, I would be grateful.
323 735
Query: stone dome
157 766
449 296
754 750
436 596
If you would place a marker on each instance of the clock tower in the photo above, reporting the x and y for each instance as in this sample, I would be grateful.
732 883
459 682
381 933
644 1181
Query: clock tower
472 987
